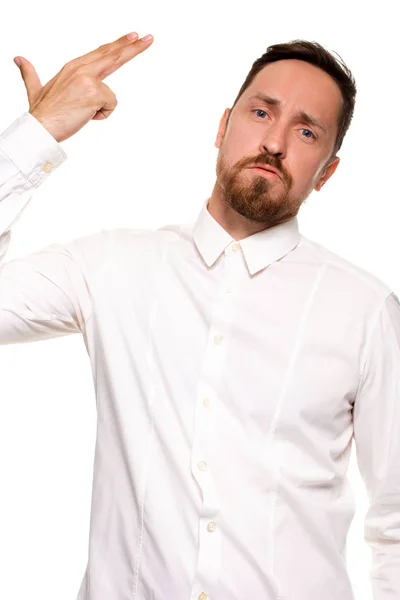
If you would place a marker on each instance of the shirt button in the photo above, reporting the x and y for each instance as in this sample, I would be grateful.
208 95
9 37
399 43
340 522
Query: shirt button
206 402
202 465
48 167
202 596
218 339
236 248
228 290
211 526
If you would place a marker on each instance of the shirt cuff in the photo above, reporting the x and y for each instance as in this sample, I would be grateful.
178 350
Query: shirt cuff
34 151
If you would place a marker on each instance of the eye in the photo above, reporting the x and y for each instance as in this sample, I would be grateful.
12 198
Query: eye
308 137
258 110
312 135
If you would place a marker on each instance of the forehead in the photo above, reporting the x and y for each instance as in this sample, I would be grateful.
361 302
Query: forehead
299 86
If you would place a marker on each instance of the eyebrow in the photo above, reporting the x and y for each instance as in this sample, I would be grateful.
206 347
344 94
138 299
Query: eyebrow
306 118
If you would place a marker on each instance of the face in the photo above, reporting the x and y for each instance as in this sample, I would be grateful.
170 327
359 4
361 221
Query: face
261 132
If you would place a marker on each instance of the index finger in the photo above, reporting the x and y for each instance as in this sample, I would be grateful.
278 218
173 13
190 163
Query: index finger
109 57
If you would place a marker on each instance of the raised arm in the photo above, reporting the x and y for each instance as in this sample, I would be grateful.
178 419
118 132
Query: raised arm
48 293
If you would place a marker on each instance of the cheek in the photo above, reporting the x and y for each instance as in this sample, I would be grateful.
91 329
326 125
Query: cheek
302 170
248 137
238 144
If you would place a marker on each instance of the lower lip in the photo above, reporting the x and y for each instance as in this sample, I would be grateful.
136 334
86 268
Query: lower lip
268 174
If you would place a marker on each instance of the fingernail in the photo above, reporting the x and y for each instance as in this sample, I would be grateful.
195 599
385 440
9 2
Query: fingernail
132 36
17 61
147 38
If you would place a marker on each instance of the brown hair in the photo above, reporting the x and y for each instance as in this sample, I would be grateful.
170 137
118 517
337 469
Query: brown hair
317 55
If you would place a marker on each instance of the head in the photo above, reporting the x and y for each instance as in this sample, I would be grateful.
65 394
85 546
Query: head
291 113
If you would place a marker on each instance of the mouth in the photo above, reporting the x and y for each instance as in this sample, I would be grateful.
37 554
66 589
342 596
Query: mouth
265 172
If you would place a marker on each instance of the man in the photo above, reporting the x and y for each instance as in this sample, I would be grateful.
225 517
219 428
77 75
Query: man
234 360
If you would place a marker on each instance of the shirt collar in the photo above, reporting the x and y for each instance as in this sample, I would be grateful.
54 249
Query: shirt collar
259 249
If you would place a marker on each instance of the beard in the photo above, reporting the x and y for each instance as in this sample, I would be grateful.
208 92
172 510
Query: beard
255 197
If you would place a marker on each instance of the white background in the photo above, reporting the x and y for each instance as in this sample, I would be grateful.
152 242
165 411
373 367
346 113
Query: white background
150 164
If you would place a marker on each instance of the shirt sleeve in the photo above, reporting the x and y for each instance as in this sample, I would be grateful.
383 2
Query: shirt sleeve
28 156
45 294
376 419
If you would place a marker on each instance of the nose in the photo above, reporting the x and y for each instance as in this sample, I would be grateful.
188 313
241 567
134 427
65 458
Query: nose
274 141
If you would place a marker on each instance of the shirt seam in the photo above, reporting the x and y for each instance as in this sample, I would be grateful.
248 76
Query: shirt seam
368 345
350 269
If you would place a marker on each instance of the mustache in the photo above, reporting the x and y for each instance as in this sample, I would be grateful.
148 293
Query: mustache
264 159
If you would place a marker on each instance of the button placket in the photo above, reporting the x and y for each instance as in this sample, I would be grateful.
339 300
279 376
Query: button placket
223 313
203 446
224 308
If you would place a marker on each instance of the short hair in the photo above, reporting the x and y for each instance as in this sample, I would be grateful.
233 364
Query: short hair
317 55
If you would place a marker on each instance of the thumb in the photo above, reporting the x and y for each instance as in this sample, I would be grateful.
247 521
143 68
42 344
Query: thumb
30 77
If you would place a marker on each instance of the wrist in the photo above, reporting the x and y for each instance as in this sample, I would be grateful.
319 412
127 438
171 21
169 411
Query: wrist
46 123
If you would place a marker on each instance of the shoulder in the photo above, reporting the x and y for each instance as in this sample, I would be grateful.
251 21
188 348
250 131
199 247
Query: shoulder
343 272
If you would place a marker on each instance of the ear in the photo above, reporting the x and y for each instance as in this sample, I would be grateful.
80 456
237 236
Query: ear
222 128
327 172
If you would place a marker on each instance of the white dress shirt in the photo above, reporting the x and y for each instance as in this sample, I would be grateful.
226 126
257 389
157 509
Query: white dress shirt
230 379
